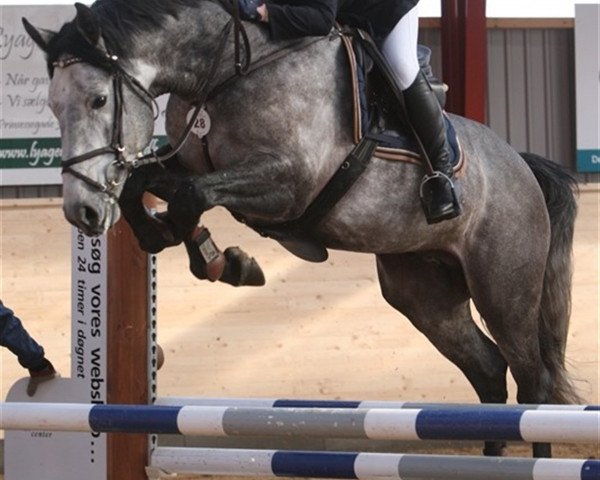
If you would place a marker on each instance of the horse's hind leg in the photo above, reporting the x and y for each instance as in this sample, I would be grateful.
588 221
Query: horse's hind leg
432 293
507 293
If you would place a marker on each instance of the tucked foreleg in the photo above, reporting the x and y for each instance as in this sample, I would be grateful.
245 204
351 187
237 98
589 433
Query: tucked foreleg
155 232
262 190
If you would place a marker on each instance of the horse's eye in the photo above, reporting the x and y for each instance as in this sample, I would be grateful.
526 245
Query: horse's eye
99 102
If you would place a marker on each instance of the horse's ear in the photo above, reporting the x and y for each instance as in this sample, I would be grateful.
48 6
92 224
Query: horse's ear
40 36
87 24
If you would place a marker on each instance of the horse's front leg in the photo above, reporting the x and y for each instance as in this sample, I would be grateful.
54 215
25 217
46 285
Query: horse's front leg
262 190
153 232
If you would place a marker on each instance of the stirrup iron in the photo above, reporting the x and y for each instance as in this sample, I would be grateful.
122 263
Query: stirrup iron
426 190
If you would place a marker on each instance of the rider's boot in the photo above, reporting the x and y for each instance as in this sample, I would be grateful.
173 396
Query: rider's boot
425 114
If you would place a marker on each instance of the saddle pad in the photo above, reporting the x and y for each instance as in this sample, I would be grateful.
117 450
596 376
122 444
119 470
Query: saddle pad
392 145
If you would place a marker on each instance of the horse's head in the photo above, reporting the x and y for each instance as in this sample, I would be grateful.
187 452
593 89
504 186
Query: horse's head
105 116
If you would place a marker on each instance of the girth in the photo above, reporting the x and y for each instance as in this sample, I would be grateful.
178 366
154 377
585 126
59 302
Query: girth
341 182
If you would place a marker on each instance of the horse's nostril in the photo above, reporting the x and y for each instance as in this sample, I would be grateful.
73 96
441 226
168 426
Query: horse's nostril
90 216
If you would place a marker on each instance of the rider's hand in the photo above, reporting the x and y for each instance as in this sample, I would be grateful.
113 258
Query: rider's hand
249 9
264 13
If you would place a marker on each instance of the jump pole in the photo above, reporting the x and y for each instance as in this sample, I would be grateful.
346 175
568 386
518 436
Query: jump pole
509 424
351 465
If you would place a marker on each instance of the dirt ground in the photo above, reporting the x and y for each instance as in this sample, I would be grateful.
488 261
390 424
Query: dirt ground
314 331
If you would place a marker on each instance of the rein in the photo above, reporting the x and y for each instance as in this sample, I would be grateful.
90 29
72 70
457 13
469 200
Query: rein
241 69
233 9
153 157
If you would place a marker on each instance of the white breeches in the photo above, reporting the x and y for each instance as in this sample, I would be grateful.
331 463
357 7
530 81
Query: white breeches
400 48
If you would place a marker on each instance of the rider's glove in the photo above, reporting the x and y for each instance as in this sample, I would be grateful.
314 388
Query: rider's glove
248 9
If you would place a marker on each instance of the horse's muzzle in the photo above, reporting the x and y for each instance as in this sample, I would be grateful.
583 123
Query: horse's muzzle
92 220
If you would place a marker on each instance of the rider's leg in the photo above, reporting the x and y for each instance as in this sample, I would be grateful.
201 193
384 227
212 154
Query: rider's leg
424 111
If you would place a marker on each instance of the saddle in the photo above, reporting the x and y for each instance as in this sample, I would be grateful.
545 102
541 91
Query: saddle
376 112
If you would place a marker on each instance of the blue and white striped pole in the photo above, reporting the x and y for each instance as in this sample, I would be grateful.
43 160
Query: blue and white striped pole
273 463
375 423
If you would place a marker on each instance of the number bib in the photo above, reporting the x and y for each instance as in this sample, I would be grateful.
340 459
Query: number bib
202 124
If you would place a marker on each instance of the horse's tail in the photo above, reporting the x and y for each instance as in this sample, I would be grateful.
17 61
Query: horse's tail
559 189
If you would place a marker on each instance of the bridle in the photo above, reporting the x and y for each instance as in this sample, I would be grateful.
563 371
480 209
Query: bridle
116 148
120 77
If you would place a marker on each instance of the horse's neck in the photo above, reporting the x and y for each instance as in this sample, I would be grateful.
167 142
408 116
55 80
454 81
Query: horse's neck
181 54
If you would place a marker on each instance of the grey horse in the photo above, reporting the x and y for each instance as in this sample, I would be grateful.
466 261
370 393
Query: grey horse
278 134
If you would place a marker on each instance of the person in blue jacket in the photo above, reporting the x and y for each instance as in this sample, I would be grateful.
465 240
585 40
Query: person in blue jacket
394 25
29 353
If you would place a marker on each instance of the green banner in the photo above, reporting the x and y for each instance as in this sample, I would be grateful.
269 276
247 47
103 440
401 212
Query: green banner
30 153
588 161
40 152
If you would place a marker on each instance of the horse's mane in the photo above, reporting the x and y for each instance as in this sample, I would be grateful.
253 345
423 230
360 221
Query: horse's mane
120 21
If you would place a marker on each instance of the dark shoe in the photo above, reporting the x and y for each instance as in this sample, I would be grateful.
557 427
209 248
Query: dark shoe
40 374
439 199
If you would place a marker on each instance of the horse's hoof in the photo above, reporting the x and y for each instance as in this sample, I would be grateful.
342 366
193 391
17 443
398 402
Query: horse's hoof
241 269
165 230
542 450
495 449
150 246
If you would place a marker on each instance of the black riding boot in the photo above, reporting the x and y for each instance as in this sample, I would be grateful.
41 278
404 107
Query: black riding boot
425 115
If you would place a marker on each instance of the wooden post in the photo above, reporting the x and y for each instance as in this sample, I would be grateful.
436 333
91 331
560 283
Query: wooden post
127 365
464 57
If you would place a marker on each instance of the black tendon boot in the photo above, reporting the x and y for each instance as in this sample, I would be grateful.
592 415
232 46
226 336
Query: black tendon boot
425 114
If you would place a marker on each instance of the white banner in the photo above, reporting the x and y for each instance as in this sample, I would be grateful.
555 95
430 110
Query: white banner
88 314
24 115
